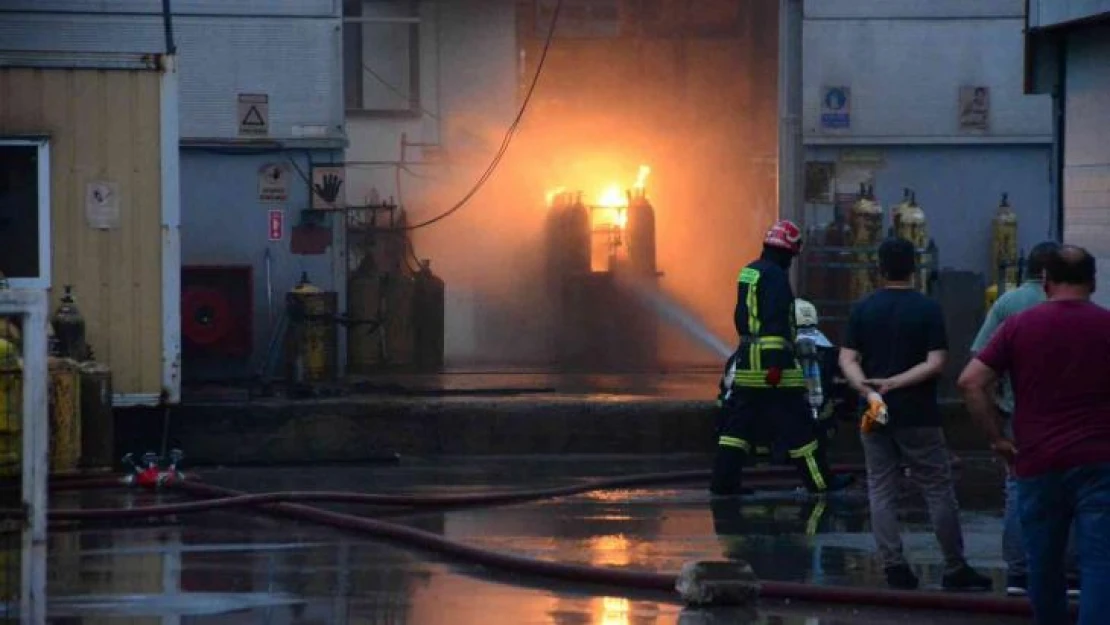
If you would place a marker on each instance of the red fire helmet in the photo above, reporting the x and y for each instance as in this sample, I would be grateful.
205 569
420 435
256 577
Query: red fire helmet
785 235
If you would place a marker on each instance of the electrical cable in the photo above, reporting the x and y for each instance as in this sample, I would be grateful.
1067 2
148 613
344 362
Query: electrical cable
488 173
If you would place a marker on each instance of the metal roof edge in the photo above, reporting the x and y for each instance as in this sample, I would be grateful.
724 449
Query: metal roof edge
82 60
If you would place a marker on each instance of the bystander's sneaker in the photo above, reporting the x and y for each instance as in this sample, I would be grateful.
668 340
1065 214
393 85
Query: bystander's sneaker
900 577
1017 585
965 578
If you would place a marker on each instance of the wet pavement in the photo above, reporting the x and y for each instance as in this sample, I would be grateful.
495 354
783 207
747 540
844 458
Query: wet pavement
241 567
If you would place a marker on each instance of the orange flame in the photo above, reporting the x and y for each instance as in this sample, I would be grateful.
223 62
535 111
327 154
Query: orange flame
550 196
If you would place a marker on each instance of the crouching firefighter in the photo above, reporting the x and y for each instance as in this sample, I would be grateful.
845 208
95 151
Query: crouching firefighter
763 391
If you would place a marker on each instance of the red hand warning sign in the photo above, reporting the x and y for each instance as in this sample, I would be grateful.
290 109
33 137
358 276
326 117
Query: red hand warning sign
277 224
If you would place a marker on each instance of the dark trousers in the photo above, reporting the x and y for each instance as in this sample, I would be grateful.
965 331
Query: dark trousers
1050 504
780 418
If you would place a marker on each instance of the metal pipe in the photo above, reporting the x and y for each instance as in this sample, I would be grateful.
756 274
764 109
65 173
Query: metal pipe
790 158
268 260
369 19
167 20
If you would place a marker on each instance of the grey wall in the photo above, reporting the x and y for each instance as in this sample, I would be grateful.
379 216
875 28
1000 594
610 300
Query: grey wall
223 223
287 49
1054 12
1087 152
905 62
469 96
959 188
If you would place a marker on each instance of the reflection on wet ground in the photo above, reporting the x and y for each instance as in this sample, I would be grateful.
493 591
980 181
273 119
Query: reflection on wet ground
240 568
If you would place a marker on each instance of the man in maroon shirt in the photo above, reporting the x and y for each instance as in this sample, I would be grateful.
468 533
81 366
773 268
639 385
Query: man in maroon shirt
1058 357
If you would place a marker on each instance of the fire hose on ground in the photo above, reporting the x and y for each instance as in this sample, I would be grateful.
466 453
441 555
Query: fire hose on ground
282 504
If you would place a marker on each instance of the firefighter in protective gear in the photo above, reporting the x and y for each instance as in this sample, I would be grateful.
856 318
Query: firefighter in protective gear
763 393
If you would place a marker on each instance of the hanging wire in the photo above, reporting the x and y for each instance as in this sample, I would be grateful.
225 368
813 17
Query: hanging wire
488 173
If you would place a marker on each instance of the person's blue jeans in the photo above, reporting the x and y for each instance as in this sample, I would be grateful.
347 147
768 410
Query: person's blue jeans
1013 547
1049 504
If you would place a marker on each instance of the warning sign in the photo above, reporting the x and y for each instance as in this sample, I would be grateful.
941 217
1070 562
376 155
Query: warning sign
254 114
327 187
273 183
276 224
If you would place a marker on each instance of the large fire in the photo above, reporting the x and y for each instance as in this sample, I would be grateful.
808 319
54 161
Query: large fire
610 207
608 217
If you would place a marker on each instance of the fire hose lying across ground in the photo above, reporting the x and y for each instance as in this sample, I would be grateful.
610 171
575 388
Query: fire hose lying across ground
281 504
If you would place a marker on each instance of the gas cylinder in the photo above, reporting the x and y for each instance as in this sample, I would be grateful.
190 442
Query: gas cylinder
1004 246
428 319
896 211
912 227
641 234
69 328
911 223
867 229
576 236
310 347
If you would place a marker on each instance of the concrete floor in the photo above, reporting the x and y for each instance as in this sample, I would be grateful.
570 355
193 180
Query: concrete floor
241 568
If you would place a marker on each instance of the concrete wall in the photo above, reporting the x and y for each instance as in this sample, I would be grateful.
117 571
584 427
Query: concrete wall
1044 13
958 187
905 62
286 49
1087 153
223 223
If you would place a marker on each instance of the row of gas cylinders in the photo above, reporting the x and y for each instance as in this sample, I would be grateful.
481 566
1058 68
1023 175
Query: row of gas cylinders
394 321
865 230
572 237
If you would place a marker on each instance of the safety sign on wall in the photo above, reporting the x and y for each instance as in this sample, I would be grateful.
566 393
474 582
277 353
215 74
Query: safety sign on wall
975 109
273 183
327 187
836 108
102 210
254 114
276 224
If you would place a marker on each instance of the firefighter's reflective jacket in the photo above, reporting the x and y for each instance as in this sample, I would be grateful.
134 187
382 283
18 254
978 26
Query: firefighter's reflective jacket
765 321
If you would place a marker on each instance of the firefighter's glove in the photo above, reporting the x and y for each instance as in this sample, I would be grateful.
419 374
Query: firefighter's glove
876 414
773 377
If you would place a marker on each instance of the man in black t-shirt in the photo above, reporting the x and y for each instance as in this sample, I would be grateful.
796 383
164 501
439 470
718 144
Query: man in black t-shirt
893 353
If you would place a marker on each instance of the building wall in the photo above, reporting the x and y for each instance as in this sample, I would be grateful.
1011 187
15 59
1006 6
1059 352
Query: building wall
223 223
959 188
1087 153
468 57
1045 13
286 49
905 61
104 126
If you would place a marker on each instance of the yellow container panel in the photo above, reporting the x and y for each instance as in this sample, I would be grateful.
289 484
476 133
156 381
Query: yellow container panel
103 127
65 416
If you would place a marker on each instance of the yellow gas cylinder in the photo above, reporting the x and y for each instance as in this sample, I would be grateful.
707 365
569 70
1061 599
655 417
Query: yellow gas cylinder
990 297
64 397
11 408
311 344
867 230
896 210
1004 246
913 227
